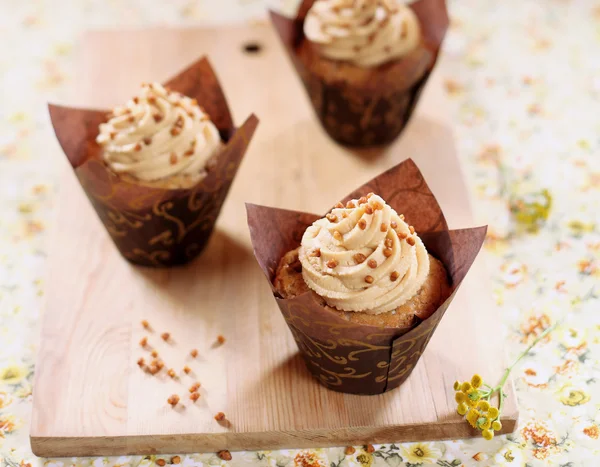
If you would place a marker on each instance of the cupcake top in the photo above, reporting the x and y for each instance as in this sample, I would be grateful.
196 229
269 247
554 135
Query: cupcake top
157 135
363 257
366 33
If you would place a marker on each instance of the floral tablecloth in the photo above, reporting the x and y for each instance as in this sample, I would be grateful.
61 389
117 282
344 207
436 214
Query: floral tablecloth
523 77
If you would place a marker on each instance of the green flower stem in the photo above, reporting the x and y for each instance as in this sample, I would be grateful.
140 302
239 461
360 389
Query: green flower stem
500 386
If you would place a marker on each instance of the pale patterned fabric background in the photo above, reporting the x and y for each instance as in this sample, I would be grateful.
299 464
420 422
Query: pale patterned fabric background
523 77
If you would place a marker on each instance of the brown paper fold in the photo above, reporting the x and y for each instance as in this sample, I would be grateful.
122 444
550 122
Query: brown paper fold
374 114
157 226
348 357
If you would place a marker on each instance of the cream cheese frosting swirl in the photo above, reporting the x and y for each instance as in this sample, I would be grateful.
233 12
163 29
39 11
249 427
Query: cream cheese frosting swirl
366 33
159 134
363 257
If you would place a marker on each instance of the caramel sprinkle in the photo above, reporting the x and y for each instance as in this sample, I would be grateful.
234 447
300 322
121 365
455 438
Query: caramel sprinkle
402 235
151 100
383 227
362 224
332 263
173 400
175 460
331 217
220 339
393 224
161 462
187 370
220 417
369 195
350 205
188 153
402 216
136 100
394 276
372 263
138 147
389 242
359 258
337 236
349 451
154 353
410 241
412 229
165 336
147 141
369 209
144 341
387 252
157 118
171 373
131 119
175 131
141 362
195 396
194 353
370 449
363 200
194 387
376 206
145 324
369 279
316 253
225 455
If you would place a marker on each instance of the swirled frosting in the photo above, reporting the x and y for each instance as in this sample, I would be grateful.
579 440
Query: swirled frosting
363 257
159 134
366 33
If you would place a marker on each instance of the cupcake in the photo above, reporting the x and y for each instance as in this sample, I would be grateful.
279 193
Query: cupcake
367 265
158 169
364 62
363 288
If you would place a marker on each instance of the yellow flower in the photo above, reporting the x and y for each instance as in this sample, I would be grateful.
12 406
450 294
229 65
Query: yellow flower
473 394
488 434
497 426
476 381
460 397
12 374
493 412
486 424
574 397
365 459
483 405
473 416
462 408
420 453
465 386
457 385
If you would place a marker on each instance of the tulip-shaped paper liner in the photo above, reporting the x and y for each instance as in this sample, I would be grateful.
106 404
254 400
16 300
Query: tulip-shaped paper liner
157 226
342 355
374 114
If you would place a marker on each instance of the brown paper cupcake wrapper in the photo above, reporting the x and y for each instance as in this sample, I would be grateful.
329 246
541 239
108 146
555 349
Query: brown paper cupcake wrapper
150 226
348 357
359 116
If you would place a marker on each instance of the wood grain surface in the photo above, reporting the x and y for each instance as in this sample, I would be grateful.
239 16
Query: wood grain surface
90 396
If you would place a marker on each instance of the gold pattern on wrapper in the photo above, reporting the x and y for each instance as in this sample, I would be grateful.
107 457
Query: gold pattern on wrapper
157 226
342 355
376 113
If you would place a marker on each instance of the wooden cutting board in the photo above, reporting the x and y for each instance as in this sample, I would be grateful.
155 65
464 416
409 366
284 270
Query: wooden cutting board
90 396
